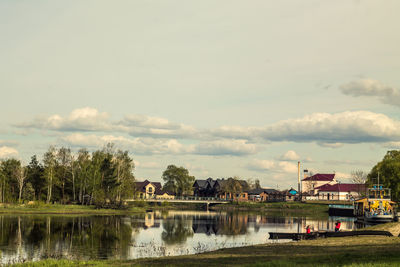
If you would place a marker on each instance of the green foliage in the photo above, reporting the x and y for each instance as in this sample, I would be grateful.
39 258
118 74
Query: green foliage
389 173
104 177
178 180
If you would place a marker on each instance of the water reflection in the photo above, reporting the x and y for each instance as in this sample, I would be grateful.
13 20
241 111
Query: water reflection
33 237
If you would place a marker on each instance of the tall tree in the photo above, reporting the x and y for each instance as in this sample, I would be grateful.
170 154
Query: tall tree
64 161
8 181
20 175
124 167
50 162
83 172
35 176
388 170
178 180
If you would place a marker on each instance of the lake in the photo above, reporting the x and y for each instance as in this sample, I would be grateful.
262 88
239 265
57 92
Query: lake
154 234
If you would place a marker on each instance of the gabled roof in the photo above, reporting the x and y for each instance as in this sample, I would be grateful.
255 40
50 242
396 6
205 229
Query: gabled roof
201 184
341 188
258 191
320 177
140 186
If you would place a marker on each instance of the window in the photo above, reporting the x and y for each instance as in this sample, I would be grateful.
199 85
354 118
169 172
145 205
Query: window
150 189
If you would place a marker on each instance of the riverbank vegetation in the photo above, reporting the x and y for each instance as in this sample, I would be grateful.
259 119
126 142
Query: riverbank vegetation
43 208
103 178
297 207
346 251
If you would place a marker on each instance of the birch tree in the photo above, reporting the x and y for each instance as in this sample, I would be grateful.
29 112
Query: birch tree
20 176
50 163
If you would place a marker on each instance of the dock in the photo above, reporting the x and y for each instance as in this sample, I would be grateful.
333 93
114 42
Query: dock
323 234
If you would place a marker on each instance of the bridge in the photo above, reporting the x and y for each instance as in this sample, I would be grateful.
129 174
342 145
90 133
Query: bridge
197 200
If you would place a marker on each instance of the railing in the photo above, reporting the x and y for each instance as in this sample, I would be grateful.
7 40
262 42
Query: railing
193 198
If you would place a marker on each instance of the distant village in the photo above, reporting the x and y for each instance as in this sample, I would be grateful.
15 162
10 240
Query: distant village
314 187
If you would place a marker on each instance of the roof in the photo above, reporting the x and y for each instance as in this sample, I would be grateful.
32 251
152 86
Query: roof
341 188
140 186
320 177
258 191
201 183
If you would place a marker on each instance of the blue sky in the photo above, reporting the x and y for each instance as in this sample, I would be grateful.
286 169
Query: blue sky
223 88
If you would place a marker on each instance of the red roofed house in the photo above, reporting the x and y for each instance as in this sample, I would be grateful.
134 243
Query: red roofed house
340 191
308 184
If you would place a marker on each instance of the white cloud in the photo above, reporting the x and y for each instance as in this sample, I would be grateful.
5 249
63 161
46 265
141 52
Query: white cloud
149 146
83 119
287 167
369 87
226 147
291 155
146 146
272 166
345 127
328 130
261 165
7 152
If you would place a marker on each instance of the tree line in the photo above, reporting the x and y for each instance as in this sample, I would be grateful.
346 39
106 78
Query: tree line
102 177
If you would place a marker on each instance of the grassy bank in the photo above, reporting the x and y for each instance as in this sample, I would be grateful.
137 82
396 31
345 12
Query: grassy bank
64 209
275 207
348 251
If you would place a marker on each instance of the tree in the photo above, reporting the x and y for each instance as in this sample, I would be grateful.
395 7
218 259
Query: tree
35 176
50 163
20 175
234 186
83 172
8 181
64 160
178 180
124 170
358 177
389 173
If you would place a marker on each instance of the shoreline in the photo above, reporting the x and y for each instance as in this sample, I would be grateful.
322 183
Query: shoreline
349 251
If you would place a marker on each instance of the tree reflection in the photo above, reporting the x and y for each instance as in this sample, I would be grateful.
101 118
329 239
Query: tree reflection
59 236
176 230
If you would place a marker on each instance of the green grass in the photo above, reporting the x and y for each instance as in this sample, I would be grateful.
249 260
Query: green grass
348 251
276 207
64 209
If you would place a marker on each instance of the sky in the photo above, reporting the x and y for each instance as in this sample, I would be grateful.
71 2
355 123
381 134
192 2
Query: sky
223 88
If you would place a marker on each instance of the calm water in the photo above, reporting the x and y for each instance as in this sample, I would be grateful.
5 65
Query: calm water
34 237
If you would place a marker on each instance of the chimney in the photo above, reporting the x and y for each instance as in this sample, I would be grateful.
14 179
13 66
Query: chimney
298 176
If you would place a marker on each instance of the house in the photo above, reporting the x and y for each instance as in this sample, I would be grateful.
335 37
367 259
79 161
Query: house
221 190
147 189
204 188
308 184
289 195
218 189
261 194
340 191
162 194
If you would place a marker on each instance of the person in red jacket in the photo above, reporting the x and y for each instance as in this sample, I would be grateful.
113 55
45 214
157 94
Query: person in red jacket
337 226
308 229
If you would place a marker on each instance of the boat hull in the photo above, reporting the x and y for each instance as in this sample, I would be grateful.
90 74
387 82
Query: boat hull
378 218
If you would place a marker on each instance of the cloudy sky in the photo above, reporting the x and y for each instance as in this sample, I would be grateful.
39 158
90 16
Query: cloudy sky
224 88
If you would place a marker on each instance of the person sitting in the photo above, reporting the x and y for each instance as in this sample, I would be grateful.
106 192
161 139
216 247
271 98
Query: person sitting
337 226
308 229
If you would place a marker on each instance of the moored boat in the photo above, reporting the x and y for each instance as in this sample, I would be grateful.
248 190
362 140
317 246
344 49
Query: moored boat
377 207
